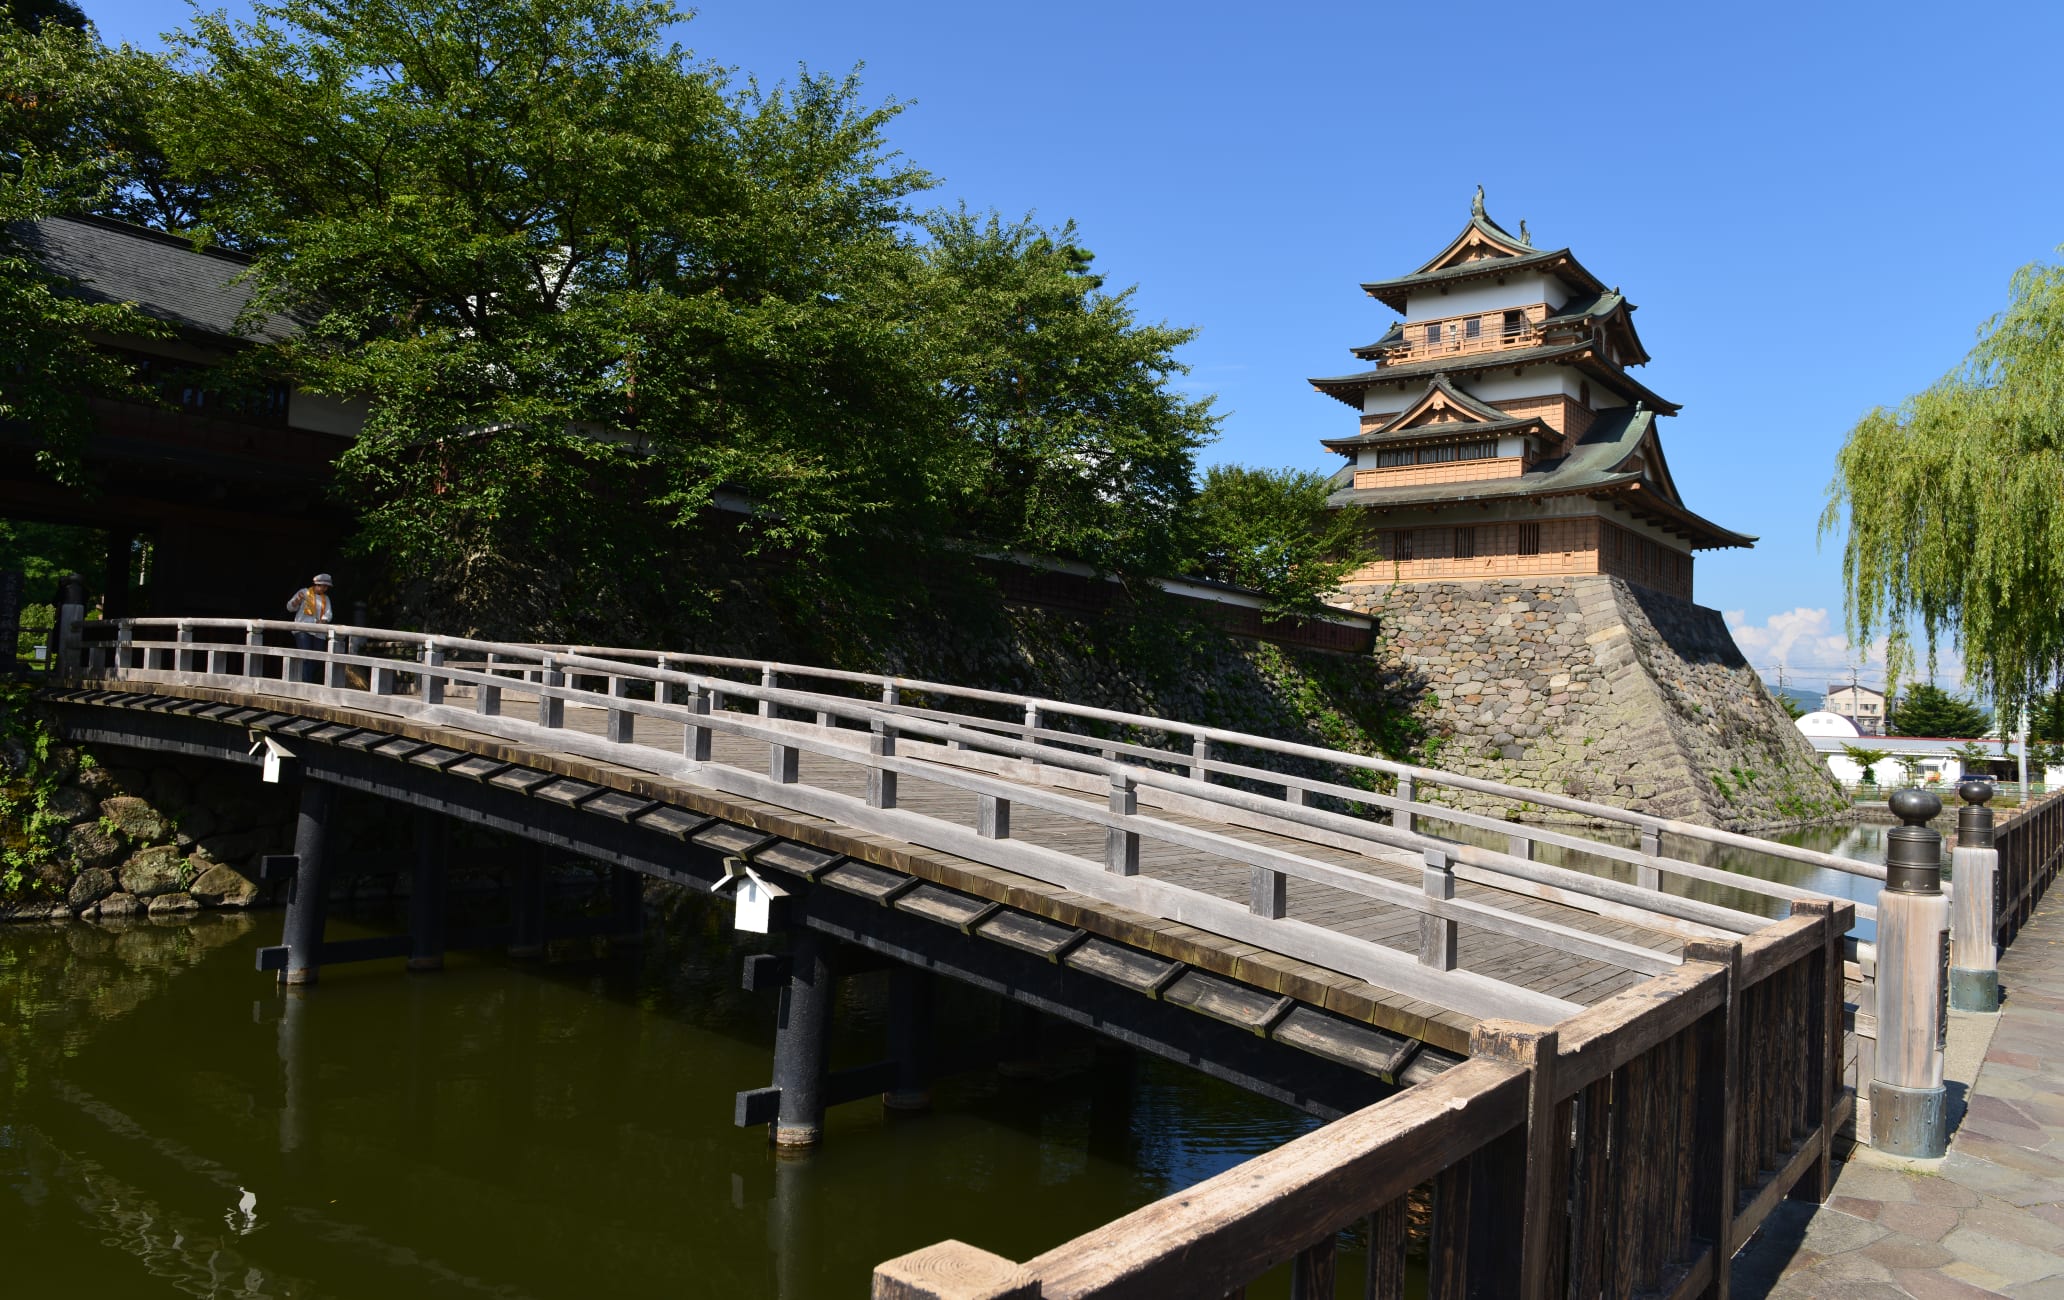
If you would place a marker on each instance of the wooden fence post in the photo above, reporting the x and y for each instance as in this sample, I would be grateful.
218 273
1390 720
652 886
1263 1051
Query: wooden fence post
433 681
881 783
1974 869
1715 1179
623 724
1437 933
1824 1061
695 737
1542 1201
1407 790
551 708
1648 875
1121 846
952 1270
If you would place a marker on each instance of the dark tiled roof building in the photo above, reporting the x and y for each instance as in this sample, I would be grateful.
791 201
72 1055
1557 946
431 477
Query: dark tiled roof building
1500 432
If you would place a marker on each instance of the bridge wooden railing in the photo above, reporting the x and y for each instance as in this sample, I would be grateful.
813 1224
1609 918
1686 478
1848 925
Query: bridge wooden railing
2031 848
1204 753
891 746
1630 1149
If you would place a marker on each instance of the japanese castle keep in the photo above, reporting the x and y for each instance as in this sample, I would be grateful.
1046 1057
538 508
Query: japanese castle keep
1534 556
1501 435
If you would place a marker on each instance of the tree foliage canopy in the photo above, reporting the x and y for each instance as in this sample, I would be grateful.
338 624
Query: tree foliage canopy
1270 529
1928 710
1954 504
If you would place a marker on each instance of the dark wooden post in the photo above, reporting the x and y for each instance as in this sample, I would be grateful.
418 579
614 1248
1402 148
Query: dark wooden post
295 1072
427 885
1717 1056
911 996
308 903
1541 1200
802 1040
1825 1040
527 903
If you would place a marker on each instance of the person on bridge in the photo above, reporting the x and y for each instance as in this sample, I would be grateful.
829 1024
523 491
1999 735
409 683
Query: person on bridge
311 605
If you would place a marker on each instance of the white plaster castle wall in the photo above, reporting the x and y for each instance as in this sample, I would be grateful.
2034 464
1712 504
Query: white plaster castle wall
1517 291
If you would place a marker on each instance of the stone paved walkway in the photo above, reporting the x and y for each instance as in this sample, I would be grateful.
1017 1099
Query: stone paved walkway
1986 1220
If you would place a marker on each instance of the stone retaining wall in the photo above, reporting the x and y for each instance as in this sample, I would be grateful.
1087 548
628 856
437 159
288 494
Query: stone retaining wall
1593 687
119 833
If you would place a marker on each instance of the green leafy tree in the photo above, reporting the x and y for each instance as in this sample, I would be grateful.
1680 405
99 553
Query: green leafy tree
1073 441
1928 710
1790 704
1270 529
617 318
1868 760
36 15
1955 520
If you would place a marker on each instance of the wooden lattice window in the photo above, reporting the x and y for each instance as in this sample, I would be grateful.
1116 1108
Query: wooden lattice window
1465 543
1530 539
1401 545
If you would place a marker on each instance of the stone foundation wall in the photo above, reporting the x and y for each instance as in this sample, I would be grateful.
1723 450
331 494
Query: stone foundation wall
1595 688
118 833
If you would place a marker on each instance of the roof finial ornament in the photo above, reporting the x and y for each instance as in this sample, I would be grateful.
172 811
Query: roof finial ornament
1476 204
1524 237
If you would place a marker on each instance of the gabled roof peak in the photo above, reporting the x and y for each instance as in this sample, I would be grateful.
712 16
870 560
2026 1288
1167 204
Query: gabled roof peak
1482 238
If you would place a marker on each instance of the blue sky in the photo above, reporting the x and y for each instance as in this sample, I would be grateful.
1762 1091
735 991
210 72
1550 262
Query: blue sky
1814 205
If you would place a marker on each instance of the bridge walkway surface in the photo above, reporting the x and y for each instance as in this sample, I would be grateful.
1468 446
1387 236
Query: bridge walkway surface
1544 970
1985 1220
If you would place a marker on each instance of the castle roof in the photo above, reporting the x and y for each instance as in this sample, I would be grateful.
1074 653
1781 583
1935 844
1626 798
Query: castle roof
1441 412
1597 466
1582 354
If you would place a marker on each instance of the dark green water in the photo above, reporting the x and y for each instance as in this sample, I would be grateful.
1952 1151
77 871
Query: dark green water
173 1123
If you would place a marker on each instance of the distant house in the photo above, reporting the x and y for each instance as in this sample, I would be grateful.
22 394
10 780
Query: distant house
1860 704
1934 760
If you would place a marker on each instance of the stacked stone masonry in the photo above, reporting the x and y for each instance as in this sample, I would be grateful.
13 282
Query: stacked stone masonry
1599 689
137 835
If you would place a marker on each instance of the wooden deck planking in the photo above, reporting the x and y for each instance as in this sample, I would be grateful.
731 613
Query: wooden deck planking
1529 965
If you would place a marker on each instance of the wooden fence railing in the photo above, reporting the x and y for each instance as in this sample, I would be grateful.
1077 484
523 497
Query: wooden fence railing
1631 1149
2031 848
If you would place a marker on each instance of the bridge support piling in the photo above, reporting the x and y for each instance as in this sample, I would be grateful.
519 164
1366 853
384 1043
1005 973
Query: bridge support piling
427 892
911 995
1974 870
527 903
308 904
802 1040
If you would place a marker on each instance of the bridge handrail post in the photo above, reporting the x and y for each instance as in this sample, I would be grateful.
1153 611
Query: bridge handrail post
254 641
1408 791
1200 754
1032 722
623 724
1436 932
1540 1207
433 681
769 680
881 783
125 644
1974 872
551 708
1122 846
695 737
71 616
1648 875
1908 1104
339 672
182 656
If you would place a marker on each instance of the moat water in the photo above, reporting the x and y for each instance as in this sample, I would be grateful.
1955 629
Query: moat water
174 1123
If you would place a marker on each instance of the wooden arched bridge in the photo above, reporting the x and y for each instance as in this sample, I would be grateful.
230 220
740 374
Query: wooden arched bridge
1605 1080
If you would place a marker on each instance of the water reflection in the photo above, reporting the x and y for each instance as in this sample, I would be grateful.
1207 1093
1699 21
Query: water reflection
173 1123
1862 843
